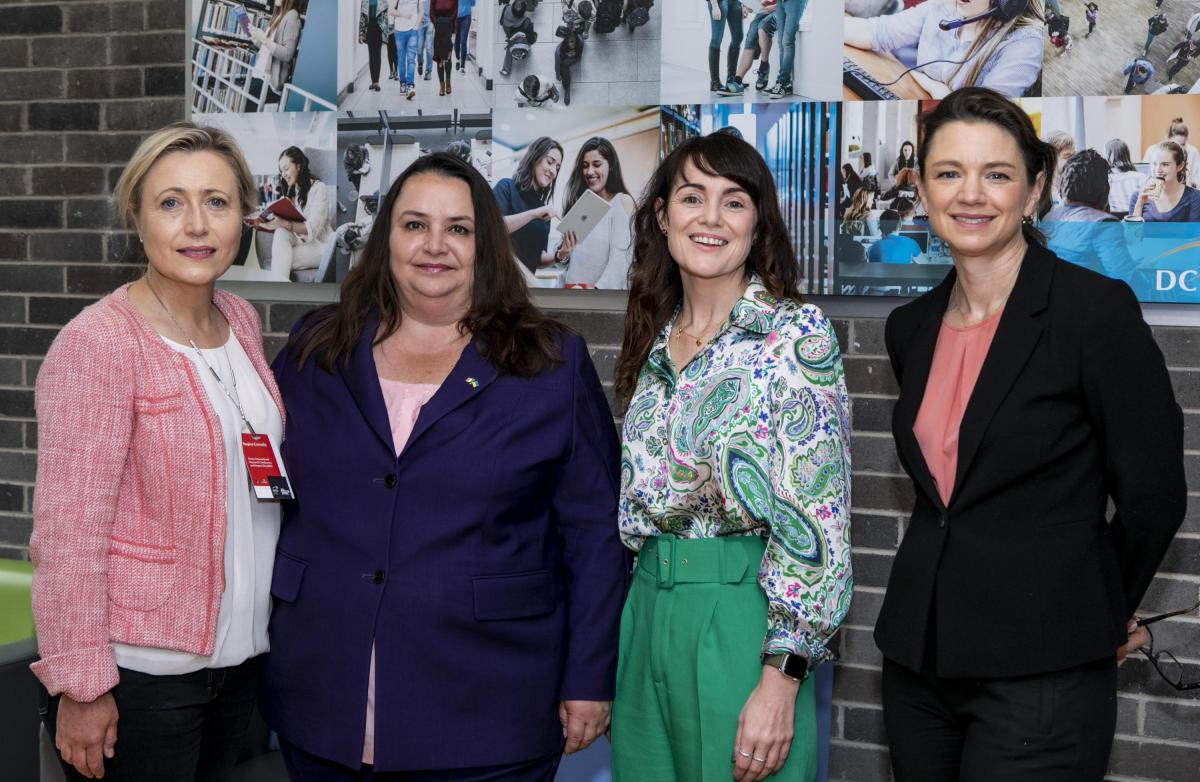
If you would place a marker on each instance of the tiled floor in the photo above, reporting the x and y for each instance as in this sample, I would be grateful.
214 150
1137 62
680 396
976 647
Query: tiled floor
1094 65
468 94
618 69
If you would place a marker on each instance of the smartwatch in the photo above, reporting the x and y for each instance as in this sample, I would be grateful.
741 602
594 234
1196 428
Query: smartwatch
790 665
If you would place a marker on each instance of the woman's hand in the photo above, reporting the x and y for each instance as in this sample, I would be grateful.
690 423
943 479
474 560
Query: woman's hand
1138 637
764 733
87 733
545 212
583 722
936 89
565 247
716 10
257 34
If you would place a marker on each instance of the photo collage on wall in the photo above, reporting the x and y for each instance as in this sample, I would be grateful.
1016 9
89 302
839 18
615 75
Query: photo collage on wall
332 99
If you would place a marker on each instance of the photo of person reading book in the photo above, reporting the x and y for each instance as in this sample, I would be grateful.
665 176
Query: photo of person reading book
297 244
960 43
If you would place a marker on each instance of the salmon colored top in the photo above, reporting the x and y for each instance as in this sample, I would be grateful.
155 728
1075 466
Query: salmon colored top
957 359
404 402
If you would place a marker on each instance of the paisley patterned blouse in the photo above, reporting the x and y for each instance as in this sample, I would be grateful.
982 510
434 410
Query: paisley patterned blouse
753 438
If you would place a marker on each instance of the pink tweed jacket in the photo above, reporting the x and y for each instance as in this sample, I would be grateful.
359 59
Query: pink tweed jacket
129 506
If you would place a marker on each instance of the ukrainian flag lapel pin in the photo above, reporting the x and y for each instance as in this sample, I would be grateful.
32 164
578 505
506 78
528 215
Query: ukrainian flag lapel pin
472 382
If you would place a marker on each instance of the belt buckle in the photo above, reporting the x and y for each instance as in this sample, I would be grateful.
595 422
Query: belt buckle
664 554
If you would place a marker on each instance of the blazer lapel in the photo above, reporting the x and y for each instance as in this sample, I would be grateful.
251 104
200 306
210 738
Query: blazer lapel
1016 335
469 377
362 378
917 358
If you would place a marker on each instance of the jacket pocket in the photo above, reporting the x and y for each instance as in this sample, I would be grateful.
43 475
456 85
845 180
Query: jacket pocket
152 405
514 596
140 577
285 580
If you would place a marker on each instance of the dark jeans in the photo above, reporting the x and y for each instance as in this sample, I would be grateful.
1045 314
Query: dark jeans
731 16
303 767
562 68
462 31
185 728
391 49
1051 727
374 41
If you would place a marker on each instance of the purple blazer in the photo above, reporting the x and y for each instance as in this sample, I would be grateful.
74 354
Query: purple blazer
483 562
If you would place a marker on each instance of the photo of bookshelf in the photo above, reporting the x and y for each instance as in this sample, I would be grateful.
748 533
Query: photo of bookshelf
263 55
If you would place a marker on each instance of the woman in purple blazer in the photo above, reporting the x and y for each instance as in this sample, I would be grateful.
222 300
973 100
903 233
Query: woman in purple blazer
449 578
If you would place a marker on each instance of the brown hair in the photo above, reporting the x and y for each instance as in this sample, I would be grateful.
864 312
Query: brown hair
281 10
507 329
980 104
655 285
180 137
1177 128
989 35
1179 155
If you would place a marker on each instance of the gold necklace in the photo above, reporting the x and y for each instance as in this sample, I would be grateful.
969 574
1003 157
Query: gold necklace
680 332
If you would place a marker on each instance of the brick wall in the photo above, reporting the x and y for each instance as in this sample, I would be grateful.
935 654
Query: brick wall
81 81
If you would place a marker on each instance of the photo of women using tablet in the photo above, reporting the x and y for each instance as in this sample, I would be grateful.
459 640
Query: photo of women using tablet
947 44
601 259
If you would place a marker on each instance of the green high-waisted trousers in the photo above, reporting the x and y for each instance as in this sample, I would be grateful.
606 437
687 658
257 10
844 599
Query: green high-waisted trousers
691 635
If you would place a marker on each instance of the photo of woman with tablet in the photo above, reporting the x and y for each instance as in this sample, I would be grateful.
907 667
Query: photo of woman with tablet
601 256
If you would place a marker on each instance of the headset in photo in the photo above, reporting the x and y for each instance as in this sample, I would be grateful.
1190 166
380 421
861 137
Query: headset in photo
1005 10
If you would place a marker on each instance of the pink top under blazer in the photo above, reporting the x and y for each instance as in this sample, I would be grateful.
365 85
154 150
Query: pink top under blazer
129 506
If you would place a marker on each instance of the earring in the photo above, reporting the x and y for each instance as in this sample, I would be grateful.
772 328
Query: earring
1027 220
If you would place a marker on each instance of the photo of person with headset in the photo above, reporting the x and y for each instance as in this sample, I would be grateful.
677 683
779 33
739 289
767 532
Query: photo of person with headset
961 43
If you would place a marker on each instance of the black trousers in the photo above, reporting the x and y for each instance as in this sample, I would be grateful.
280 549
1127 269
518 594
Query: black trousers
391 50
185 728
303 767
374 41
1052 727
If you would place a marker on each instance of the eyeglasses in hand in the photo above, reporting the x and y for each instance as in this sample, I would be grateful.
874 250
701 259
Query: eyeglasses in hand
1163 661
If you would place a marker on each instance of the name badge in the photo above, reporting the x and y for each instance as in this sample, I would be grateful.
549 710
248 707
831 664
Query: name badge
263 462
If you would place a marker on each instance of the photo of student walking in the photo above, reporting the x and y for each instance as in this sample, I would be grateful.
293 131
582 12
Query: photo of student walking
583 52
921 49
585 168
263 55
410 57
1133 47
736 51
374 149
1125 202
293 158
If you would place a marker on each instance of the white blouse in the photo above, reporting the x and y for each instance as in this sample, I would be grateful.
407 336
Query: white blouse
251 526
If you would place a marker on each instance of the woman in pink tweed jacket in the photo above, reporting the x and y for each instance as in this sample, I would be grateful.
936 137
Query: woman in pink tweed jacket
152 557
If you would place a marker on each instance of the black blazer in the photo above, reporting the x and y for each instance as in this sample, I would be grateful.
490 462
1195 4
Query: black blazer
1022 573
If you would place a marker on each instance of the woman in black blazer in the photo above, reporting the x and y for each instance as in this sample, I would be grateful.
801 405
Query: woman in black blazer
1008 602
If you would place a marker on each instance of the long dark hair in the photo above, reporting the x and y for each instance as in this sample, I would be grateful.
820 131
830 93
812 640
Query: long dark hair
980 104
304 177
507 329
909 160
576 184
538 149
1117 152
655 286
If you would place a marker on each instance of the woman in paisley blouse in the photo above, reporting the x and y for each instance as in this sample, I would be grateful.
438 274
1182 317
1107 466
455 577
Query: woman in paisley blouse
735 481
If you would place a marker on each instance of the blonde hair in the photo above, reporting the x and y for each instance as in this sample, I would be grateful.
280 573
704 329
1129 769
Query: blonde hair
989 35
180 137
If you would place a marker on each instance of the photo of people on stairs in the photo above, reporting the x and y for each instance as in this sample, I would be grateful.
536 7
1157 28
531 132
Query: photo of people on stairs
737 51
1125 47
582 52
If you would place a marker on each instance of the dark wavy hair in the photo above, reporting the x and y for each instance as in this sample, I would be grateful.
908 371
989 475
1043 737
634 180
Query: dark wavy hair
304 178
538 149
507 329
655 285
980 104
576 184
1084 179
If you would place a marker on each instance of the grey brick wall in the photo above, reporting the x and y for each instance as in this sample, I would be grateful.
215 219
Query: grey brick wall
80 83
